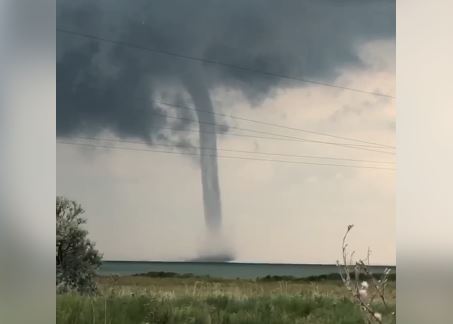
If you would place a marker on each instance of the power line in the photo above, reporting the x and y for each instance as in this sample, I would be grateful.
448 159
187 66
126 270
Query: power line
230 150
214 62
255 136
272 124
224 156
193 130
284 137
257 131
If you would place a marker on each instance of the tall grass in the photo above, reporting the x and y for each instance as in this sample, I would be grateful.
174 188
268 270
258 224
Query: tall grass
168 300
215 309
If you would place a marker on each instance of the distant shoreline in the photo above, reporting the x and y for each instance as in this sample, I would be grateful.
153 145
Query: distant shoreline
268 278
229 270
234 262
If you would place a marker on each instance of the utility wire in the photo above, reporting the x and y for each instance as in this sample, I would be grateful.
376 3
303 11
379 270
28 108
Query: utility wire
228 150
214 62
223 156
284 137
193 130
272 124
252 136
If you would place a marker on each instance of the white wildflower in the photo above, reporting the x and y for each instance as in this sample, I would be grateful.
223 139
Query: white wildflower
364 285
363 293
378 316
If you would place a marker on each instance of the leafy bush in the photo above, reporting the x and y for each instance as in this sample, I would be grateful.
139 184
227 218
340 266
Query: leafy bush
77 259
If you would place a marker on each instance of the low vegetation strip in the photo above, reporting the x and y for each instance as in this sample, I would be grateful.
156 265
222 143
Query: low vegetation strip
141 299
331 276
278 309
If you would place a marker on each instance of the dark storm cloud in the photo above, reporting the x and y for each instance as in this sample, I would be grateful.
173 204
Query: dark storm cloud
103 86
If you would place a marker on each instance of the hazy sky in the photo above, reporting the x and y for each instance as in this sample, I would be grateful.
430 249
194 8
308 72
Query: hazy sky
148 205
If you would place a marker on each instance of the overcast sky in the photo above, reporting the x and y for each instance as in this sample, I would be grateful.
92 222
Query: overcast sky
144 205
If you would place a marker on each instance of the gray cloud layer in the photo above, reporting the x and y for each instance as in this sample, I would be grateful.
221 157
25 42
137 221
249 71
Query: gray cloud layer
103 86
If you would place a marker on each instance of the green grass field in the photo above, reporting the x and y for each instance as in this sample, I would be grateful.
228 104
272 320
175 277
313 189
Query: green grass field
141 299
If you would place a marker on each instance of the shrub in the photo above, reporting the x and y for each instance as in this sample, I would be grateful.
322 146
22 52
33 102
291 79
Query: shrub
77 259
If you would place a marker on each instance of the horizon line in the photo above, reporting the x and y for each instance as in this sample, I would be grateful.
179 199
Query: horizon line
238 262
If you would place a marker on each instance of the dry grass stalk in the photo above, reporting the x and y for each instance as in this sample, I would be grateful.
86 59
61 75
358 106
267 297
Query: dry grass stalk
360 288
